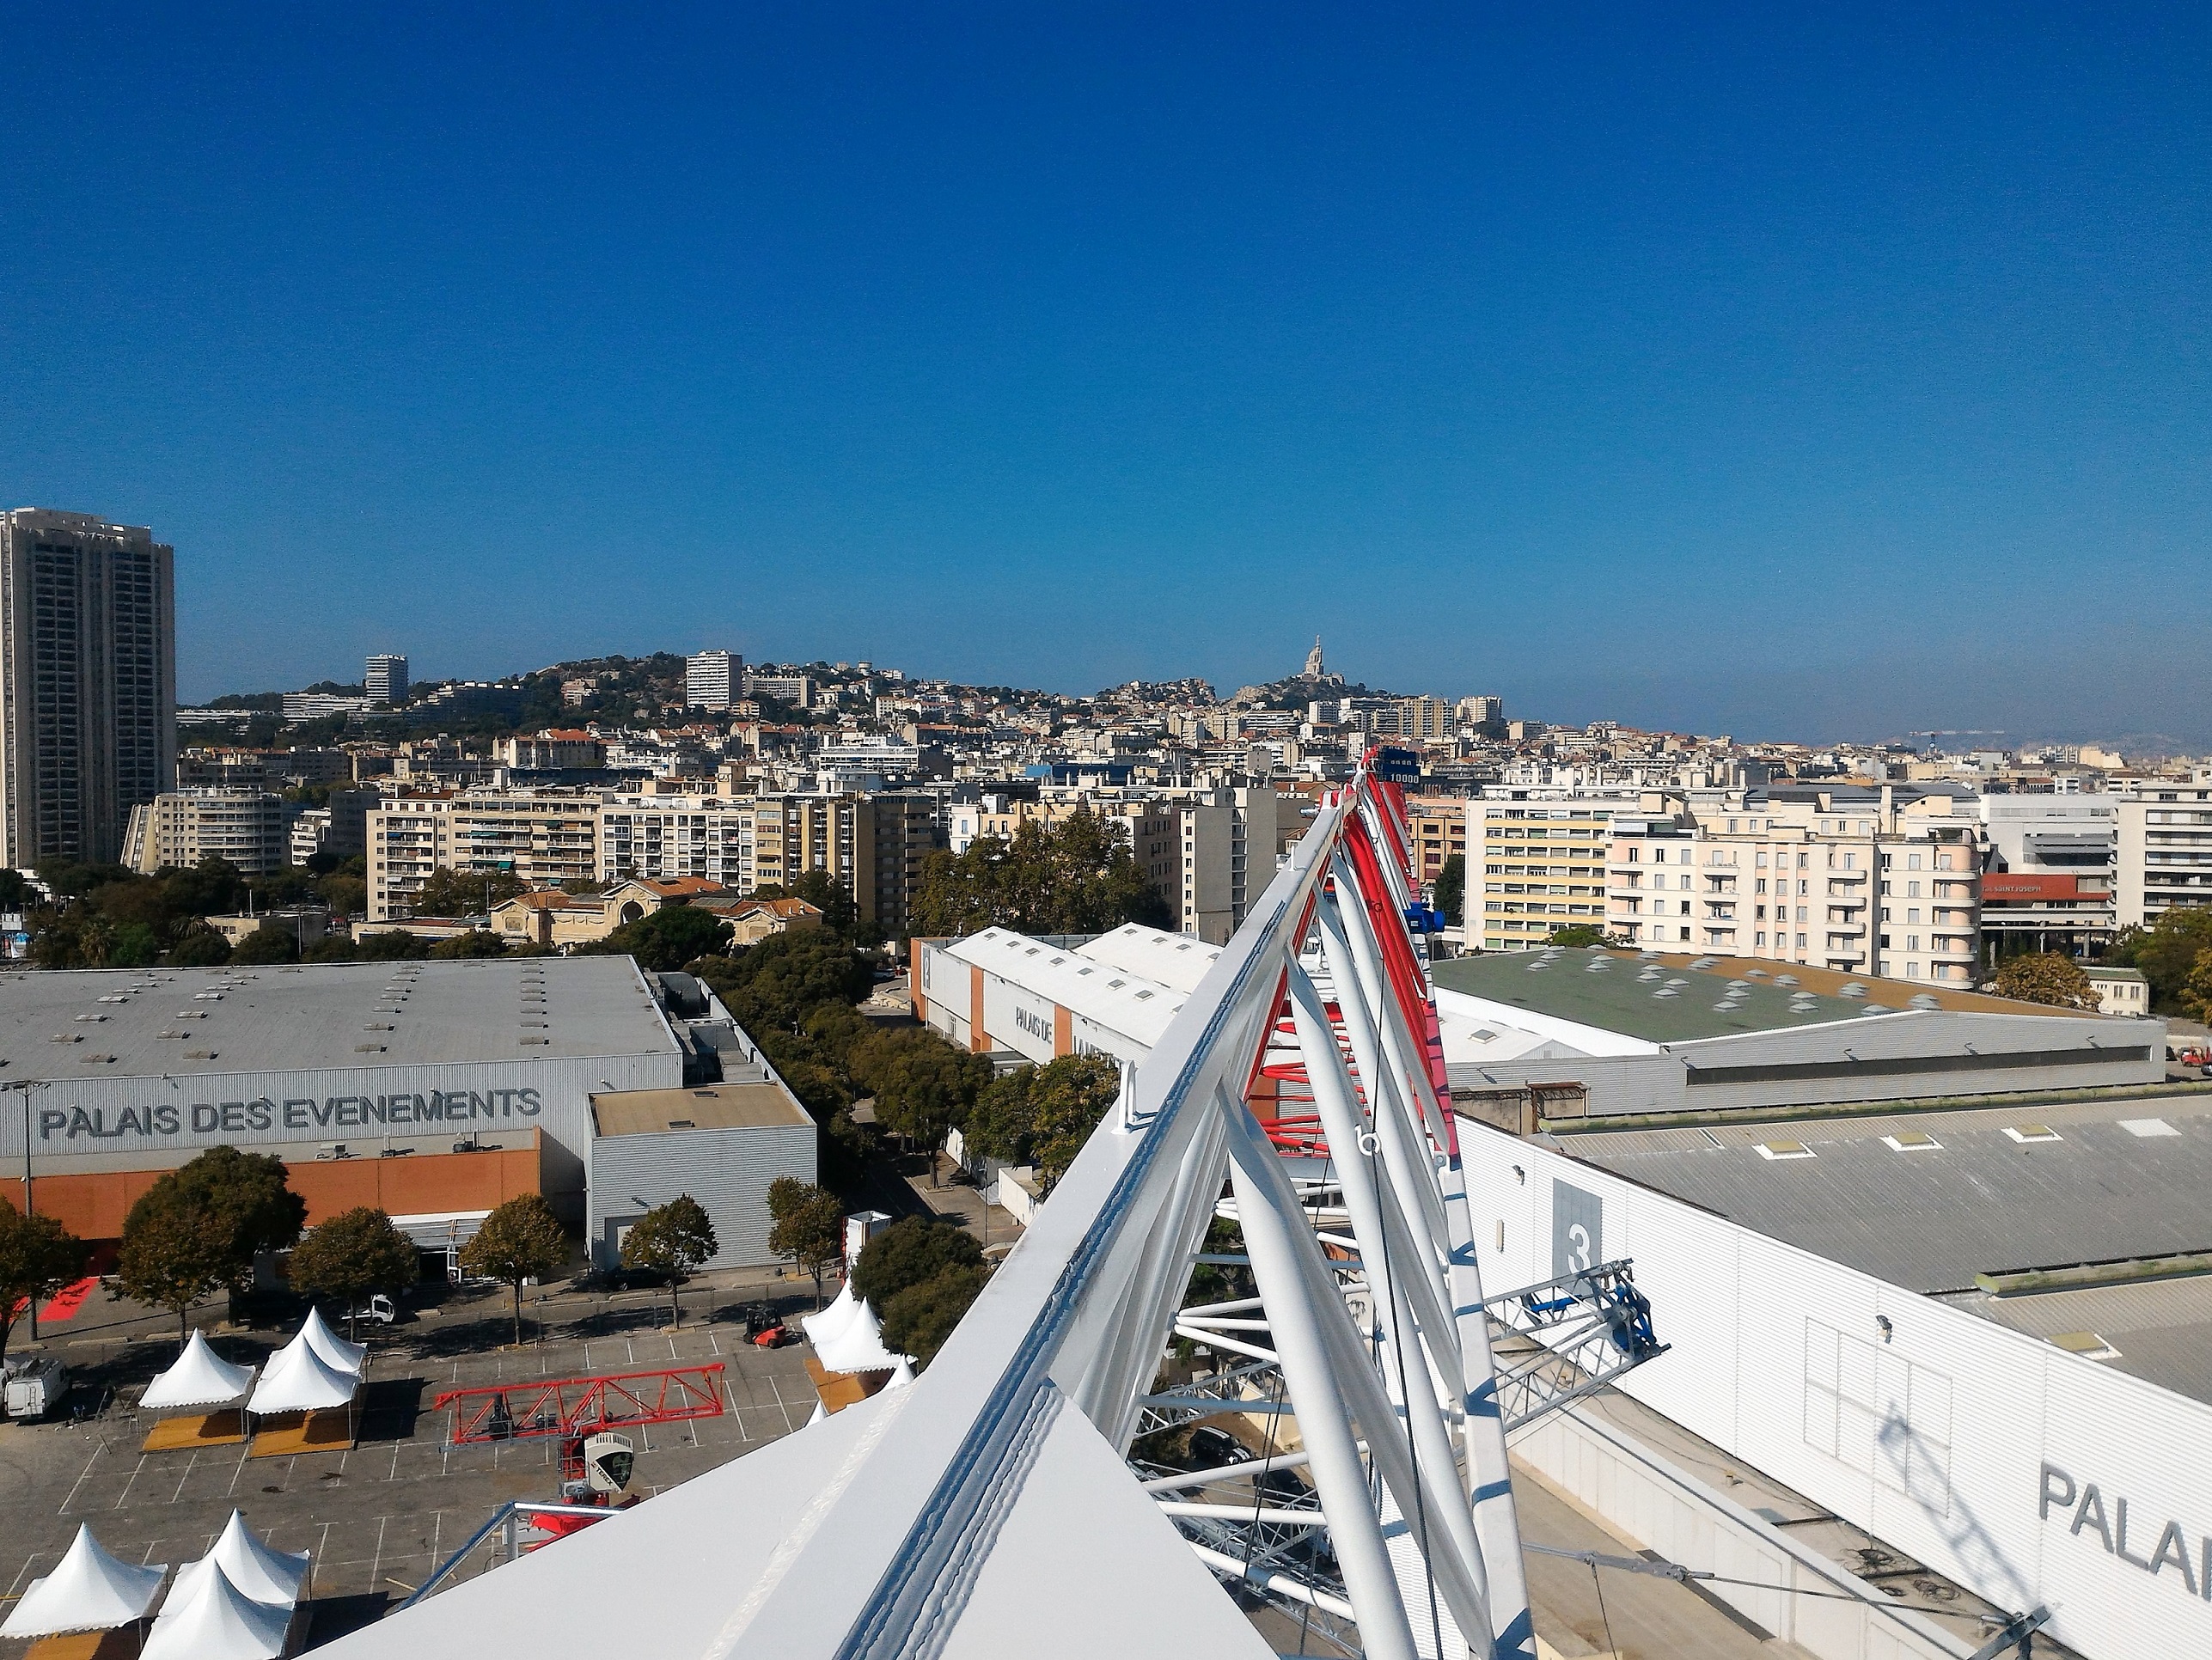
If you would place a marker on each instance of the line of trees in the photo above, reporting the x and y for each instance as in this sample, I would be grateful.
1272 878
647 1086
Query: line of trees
1073 877
2175 955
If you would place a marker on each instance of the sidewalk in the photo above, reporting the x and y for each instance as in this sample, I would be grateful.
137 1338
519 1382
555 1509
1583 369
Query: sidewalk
957 1201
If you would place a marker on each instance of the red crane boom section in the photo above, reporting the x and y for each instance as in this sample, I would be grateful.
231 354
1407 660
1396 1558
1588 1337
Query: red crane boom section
580 1405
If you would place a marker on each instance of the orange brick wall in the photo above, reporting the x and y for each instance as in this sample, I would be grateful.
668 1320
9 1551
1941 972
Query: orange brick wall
93 1206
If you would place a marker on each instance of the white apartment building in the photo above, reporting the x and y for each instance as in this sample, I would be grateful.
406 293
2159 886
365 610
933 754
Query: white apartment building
384 679
544 837
2163 848
1228 840
1852 880
665 837
179 828
712 680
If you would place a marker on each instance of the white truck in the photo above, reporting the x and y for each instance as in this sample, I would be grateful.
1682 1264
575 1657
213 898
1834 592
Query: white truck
35 1385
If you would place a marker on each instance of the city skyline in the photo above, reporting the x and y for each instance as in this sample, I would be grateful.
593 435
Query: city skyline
1778 376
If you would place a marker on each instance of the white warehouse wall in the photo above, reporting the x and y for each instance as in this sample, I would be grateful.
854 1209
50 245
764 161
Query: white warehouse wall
1943 1441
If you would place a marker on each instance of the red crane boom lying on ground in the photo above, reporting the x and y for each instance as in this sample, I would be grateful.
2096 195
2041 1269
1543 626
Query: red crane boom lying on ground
577 1406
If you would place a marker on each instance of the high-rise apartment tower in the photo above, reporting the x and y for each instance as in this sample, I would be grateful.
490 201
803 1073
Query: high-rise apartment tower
87 682
385 679
711 680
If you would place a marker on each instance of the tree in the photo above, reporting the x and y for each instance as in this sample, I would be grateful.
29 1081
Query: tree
919 1320
175 1252
521 1240
1582 935
1450 889
202 947
390 945
808 1226
2196 998
272 941
786 977
250 1192
912 1249
2046 977
476 942
666 939
923 1085
1043 1115
38 1257
1002 1122
355 1254
448 893
2166 951
1067 1099
1076 877
674 1239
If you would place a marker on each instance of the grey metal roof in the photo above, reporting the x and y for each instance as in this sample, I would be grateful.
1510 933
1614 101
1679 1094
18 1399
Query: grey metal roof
2161 1328
177 1022
1978 1203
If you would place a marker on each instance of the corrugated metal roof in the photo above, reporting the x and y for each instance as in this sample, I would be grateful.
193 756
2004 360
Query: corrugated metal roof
1978 1202
2161 1328
99 1024
1118 998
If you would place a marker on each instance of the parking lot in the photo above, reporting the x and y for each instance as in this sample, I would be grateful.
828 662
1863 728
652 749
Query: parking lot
376 1518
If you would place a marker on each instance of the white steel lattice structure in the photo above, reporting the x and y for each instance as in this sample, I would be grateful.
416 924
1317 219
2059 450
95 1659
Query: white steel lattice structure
991 1508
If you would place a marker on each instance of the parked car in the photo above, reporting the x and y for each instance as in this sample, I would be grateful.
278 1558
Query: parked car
377 1310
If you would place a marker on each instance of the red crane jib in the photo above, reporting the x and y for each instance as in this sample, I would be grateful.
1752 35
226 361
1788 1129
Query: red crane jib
579 1406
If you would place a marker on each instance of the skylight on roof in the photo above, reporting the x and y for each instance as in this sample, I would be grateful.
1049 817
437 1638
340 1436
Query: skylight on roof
1775 1151
2090 1345
2030 1133
2148 1127
1912 1141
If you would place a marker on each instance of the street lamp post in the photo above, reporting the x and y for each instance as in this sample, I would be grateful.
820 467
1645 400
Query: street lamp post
25 1086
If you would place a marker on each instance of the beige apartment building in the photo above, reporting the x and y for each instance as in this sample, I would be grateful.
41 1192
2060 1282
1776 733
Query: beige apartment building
1439 830
1872 886
544 837
180 827
1542 865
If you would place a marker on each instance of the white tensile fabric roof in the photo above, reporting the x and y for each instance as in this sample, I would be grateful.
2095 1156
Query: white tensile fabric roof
262 1572
208 1618
855 1343
298 1380
824 1327
336 1351
198 1377
88 1590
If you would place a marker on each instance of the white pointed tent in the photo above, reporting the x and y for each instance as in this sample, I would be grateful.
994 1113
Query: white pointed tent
261 1570
848 1338
299 1380
88 1590
336 1351
198 1377
208 1618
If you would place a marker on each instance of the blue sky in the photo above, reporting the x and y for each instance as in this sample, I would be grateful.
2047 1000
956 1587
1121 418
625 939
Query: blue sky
1797 377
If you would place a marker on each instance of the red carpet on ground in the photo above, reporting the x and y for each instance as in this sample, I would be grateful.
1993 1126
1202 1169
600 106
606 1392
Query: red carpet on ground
64 1303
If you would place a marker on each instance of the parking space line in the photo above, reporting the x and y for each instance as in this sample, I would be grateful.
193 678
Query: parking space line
377 1564
186 1477
25 1568
322 1550
86 1471
394 1475
126 1493
244 1453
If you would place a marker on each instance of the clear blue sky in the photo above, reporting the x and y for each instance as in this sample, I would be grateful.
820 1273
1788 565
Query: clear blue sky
1793 377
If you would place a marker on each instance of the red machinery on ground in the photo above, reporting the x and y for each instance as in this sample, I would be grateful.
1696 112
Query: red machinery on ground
581 1411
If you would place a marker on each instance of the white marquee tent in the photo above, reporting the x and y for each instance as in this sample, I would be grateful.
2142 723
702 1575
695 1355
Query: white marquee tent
848 1338
299 1380
198 1377
208 1618
88 1590
336 1351
267 1575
